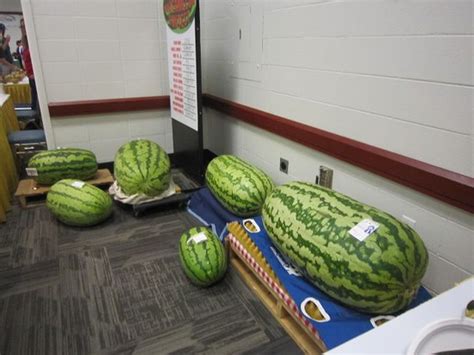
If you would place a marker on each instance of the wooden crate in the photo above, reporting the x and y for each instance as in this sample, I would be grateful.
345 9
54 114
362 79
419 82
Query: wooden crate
30 193
257 274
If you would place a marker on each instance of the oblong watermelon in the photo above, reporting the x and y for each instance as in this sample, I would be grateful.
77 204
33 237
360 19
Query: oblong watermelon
310 225
78 203
142 167
237 185
202 255
65 163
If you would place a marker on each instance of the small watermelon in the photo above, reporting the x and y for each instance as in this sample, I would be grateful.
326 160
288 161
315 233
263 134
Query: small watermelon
142 167
202 255
237 185
78 203
65 163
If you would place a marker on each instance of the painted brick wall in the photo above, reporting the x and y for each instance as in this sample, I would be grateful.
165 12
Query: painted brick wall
89 50
393 74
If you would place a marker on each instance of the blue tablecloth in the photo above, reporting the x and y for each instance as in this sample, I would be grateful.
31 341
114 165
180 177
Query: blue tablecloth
344 323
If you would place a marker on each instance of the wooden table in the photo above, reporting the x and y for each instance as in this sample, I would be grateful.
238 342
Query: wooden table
8 173
20 92
31 194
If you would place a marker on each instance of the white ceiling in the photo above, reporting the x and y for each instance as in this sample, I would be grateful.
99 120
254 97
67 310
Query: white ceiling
10 5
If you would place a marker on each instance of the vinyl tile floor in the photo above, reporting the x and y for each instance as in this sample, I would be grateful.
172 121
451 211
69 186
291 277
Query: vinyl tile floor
118 288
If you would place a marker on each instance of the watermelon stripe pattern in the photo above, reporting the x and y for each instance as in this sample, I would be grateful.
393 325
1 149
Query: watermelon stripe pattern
66 163
142 167
238 186
310 226
204 261
77 203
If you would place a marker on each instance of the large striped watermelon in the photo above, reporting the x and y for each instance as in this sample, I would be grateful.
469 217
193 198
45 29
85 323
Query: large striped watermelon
66 163
310 226
78 203
142 167
202 256
239 186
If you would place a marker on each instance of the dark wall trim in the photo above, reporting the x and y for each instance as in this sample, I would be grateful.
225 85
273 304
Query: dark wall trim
89 107
11 13
450 187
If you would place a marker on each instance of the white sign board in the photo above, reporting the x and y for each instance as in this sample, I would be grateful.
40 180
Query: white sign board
182 66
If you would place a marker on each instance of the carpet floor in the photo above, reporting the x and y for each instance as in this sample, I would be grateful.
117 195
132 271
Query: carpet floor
118 288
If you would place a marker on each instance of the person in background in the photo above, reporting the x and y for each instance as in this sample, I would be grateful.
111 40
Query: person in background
5 44
6 59
19 53
29 66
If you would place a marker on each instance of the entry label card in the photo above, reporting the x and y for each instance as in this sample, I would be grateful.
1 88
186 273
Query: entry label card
363 229
182 66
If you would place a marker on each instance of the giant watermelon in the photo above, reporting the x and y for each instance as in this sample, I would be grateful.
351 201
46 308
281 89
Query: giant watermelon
310 225
66 163
78 203
142 167
237 185
202 256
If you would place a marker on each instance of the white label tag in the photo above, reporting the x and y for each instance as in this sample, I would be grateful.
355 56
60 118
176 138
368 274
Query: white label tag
198 238
31 172
78 184
363 229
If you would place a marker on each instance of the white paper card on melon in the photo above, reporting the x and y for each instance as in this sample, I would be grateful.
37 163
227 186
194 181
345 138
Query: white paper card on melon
363 229
198 238
78 184
31 172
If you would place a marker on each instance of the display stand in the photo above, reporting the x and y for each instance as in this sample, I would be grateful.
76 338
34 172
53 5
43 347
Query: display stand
31 194
184 71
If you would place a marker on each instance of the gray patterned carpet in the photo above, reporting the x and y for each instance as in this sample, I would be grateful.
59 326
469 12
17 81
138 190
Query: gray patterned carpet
118 288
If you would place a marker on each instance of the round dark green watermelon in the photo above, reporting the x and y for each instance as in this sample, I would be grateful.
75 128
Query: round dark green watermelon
202 255
78 203
142 167
239 186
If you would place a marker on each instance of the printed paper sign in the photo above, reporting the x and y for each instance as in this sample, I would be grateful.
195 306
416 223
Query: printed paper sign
31 172
198 238
182 66
78 184
363 229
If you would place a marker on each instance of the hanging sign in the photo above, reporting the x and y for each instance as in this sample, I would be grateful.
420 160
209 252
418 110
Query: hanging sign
182 67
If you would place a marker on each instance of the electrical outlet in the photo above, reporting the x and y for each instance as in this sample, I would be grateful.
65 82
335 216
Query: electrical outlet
325 177
284 165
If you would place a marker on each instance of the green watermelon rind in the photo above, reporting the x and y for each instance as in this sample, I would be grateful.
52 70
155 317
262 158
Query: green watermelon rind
204 263
142 167
310 226
78 206
239 186
66 163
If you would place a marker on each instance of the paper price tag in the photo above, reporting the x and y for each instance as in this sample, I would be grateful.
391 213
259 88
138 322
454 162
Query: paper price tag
31 172
363 229
198 238
78 184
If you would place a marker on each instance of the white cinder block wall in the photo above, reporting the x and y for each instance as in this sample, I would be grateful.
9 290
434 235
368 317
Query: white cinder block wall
91 49
393 74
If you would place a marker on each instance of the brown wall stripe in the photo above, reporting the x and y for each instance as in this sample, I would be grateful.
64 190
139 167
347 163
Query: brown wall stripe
450 187
89 107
